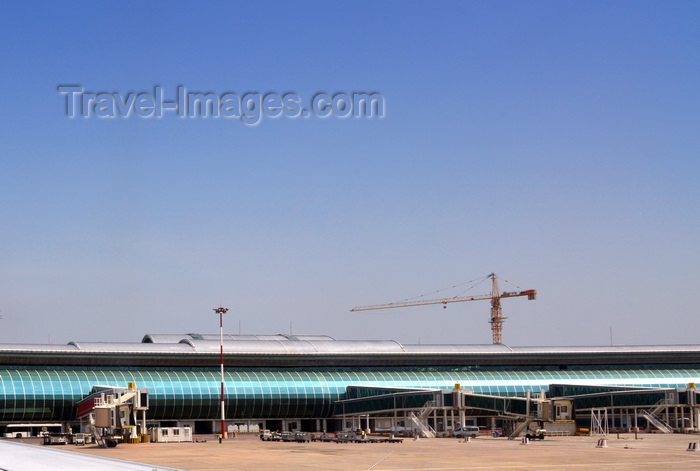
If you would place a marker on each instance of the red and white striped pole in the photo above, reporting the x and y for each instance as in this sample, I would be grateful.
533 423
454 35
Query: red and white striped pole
221 311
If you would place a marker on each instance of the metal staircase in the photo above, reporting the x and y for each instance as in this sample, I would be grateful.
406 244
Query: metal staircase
653 416
426 410
92 429
661 405
421 420
520 428
657 422
424 429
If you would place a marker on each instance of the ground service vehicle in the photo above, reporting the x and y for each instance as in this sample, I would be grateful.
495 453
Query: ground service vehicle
467 431
30 430
540 433
300 437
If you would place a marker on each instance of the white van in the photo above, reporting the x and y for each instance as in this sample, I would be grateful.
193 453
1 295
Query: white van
468 431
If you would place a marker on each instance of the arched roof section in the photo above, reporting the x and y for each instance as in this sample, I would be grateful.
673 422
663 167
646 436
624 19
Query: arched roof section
129 347
295 346
176 338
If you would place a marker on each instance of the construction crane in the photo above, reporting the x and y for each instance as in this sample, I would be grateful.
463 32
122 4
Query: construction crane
497 318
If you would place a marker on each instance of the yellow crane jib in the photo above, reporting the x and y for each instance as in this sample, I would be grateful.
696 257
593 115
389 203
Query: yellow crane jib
496 319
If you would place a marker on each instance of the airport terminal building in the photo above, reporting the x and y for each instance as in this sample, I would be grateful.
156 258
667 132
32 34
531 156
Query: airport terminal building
316 383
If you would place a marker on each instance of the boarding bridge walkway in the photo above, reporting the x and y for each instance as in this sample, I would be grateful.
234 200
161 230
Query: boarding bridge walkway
501 405
418 405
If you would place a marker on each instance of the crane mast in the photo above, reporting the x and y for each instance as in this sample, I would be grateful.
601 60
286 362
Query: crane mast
496 312
495 297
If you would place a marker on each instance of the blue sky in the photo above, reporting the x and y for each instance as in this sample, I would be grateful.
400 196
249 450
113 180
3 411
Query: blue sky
554 143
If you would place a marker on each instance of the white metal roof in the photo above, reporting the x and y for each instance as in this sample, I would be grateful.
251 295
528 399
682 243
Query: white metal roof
127 347
310 344
296 346
175 338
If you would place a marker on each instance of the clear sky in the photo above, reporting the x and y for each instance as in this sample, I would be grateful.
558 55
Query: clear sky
556 144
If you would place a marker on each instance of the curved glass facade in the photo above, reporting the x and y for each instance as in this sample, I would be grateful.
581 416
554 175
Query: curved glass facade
51 394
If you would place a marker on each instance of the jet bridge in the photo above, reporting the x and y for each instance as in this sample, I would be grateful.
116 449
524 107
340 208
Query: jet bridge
112 414
440 409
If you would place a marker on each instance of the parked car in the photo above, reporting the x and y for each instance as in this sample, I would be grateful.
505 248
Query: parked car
468 431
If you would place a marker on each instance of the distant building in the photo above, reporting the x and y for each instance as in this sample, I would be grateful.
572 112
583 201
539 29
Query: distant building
292 382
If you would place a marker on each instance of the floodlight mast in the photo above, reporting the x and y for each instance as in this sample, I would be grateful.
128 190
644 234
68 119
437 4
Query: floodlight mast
221 311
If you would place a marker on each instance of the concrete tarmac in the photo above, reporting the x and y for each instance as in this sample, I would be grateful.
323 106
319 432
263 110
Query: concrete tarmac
248 452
